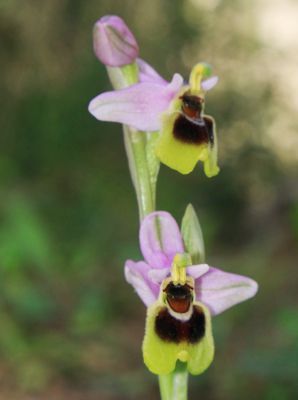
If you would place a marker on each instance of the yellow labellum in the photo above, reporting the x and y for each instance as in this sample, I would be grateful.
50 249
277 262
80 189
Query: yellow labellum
161 356
180 156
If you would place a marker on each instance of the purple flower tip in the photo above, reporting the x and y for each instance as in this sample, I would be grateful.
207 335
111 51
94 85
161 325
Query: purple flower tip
114 44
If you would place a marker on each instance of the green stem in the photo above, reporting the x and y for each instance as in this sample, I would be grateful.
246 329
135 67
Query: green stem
174 386
180 379
143 164
144 168
135 145
166 386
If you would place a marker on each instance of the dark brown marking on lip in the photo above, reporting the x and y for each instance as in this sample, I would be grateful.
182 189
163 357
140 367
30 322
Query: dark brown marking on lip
190 127
173 330
188 131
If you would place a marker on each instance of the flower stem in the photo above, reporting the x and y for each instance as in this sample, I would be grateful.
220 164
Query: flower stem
143 164
174 386
135 145
180 380
166 386
144 168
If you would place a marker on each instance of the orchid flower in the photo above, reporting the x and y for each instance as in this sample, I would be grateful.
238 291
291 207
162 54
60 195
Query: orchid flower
175 108
181 297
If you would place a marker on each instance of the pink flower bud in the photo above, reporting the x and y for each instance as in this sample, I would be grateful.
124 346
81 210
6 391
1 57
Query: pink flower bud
114 44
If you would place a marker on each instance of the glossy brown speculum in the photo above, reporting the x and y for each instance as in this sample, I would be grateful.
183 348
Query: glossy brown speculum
179 297
192 106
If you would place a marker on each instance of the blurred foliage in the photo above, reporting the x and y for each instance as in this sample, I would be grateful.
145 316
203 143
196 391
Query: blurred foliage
70 326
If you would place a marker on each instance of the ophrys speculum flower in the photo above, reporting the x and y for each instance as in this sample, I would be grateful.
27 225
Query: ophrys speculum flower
178 327
180 296
174 109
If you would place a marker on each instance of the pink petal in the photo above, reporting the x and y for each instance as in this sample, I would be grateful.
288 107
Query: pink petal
158 275
136 273
220 290
209 83
196 271
113 42
148 74
140 105
160 239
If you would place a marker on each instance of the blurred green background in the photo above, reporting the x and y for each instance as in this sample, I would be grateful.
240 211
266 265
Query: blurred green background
70 327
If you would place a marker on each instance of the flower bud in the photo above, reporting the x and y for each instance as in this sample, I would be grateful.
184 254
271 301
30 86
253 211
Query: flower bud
114 44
